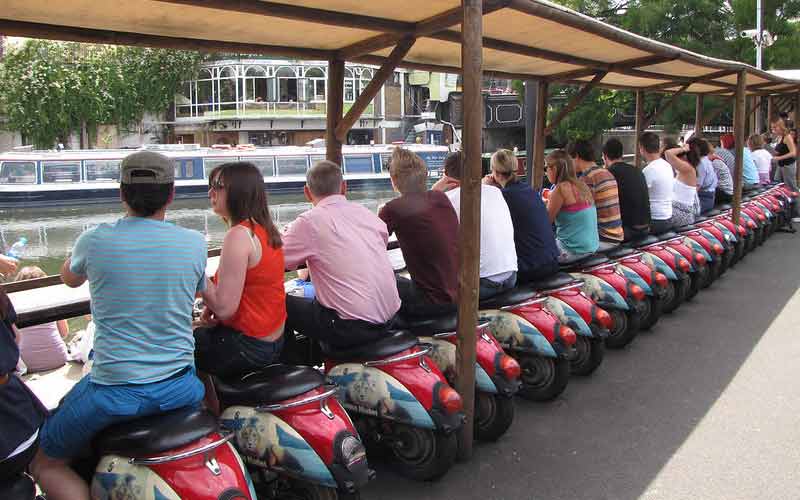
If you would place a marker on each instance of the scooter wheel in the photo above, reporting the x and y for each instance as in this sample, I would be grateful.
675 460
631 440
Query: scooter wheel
716 269
699 279
653 313
423 454
494 414
626 327
543 378
589 353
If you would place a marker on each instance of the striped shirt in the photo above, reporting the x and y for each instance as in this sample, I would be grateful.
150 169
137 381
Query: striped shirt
606 200
143 276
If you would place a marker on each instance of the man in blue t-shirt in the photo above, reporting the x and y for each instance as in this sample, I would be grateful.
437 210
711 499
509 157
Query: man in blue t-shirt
143 276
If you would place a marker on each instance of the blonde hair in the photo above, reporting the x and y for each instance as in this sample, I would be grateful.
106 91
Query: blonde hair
755 142
408 171
778 122
565 173
504 163
30 273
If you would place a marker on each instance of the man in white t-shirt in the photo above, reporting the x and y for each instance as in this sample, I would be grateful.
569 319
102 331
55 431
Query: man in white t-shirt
498 269
659 176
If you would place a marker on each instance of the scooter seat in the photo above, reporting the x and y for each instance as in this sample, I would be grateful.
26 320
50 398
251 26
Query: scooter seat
156 433
397 341
713 213
552 282
271 384
690 227
606 247
643 241
516 295
723 207
589 261
432 325
620 252
667 236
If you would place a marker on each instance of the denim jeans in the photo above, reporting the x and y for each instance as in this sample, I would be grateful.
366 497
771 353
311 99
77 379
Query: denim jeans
488 288
228 353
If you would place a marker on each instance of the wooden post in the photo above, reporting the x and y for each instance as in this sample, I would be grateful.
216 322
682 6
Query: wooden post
759 118
531 98
738 129
770 112
797 110
470 228
333 146
639 127
698 115
539 136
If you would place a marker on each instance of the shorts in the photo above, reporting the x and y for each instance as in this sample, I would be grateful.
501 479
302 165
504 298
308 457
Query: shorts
89 408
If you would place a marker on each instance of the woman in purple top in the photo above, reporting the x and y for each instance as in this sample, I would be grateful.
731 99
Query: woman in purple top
42 346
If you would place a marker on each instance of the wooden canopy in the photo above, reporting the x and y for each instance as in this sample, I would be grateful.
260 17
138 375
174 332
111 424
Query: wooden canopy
526 39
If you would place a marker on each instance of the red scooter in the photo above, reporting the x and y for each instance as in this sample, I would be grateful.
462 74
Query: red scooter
292 432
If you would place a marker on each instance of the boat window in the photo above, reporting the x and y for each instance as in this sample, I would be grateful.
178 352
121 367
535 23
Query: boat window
358 164
210 164
188 169
385 159
292 165
316 158
18 172
102 170
60 172
265 165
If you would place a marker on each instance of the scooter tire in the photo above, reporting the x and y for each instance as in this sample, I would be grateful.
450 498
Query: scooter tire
433 453
589 354
543 379
699 278
626 327
494 414
670 300
717 268
653 313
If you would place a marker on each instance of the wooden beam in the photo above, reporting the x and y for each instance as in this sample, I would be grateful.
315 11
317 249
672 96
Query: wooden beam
650 121
67 33
739 125
373 87
610 68
639 127
299 13
333 145
470 226
698 115
427 27
708 79
539 135
574 102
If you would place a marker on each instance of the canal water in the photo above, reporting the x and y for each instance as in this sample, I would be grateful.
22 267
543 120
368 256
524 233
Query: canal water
51 232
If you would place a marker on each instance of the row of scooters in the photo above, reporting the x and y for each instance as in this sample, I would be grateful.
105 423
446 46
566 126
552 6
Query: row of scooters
301 432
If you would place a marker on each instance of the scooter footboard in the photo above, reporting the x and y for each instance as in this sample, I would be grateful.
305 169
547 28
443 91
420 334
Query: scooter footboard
265 440
515 333
605 295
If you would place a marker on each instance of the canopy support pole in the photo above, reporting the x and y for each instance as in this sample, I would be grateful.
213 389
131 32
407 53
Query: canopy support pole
797 109
759 118
666 106
539 135
470 229
333 145
531 98
698 115
575 101
640 127
770 111
374 86
738 127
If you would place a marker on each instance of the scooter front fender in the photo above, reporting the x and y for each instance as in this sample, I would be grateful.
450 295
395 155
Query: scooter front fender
265 440
516 333
657 264
568 316
634 277
444 355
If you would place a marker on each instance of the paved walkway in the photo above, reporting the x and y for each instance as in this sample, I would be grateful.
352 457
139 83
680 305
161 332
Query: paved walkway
703 407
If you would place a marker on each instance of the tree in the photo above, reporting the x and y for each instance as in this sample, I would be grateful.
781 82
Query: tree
50 89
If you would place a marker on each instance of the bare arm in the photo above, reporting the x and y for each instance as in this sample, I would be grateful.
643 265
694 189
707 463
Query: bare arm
554 203
445 184
789 141
677 163
63 328
223 297
69 278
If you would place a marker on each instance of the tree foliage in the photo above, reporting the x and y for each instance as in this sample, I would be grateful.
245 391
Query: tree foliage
708 27
51 89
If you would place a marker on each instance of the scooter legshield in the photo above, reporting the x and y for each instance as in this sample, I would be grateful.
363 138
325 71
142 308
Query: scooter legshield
634 277
266 440
605 295
657 263
444 355
568 316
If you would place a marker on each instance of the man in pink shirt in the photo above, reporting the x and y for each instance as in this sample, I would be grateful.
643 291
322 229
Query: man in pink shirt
344 247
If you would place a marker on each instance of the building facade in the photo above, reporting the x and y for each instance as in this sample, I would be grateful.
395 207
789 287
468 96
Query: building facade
270 102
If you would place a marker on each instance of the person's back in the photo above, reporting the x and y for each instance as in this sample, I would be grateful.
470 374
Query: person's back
344 245
605 191
761 157
537 254
659 177
750 173
634 199
42 348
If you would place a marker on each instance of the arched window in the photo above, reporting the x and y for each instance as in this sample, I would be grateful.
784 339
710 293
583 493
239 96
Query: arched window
205 89
349 85
255 85
315 85
287 84
227 88
364 79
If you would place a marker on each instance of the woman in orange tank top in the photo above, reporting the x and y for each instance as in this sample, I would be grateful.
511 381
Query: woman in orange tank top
245 300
